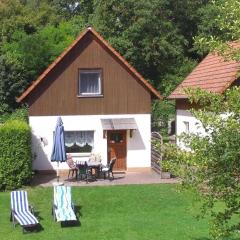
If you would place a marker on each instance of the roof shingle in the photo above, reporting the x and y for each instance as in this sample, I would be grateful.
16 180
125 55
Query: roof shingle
213 74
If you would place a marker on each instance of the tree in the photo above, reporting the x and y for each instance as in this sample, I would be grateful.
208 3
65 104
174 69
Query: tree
71 8
219 25
211 167
26 56
33 34
26 16
155 37
36 51
9 87
147 34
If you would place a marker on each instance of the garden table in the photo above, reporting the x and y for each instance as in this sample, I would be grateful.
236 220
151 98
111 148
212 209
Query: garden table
91 169
95 168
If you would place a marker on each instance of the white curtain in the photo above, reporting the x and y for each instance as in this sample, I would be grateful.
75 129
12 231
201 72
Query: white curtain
80 138
89 82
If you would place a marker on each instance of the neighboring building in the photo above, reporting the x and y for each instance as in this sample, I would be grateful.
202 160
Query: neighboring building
105 105
213 74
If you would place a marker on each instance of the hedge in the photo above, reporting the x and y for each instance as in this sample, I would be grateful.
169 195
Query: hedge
18 114
15 154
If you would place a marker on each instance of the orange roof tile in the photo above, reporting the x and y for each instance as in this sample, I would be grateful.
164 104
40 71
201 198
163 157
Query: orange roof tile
41 78
213 74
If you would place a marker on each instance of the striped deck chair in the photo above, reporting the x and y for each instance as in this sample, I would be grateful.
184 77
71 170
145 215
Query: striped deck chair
20 210
63 208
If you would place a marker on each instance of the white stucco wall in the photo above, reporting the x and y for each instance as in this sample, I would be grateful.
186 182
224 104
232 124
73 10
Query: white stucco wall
194 125
138 147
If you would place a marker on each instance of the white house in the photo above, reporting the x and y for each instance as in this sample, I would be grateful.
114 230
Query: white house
105 105
213 74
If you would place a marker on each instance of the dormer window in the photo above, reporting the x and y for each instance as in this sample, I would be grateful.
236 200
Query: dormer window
90 83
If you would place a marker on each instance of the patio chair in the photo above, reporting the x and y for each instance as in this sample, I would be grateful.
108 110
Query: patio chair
107 170
72 167
21 211
83 171
63 208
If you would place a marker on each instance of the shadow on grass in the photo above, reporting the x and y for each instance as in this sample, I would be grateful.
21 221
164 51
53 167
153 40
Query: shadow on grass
37 215
71 224
78 211
35 229
202 238
32 228
206 238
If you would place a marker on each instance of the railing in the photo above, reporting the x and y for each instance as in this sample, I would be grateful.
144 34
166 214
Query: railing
156 154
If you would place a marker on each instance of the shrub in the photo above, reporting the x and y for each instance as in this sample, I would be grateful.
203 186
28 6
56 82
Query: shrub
18 114
15 154
209 165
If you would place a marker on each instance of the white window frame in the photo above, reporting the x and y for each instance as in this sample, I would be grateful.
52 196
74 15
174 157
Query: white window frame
186 127
85 71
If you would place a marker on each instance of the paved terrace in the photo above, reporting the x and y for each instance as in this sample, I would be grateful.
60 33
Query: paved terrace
130 177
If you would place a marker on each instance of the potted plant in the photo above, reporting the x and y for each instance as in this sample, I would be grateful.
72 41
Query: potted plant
165 174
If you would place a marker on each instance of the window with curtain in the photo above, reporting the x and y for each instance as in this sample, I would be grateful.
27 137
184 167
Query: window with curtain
89 82
79 141
186 126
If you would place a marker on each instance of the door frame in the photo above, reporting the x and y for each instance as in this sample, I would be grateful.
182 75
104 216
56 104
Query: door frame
125 146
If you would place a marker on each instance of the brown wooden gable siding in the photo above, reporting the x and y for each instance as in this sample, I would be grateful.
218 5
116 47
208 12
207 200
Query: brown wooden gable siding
184 104
57 95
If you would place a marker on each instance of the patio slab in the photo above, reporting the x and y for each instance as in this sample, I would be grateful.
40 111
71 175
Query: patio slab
147 177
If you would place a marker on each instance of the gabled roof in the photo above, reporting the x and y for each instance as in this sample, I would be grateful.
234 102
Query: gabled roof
41 78
213 74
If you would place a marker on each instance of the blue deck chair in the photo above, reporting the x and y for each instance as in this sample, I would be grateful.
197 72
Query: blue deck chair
63 208
21 211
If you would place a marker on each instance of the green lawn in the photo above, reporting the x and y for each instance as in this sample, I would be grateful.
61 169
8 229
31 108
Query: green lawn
114 212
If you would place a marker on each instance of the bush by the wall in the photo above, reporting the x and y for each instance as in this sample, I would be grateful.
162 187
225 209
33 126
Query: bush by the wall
15 154
18 114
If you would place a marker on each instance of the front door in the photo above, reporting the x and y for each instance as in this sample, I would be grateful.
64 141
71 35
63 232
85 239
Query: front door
117 148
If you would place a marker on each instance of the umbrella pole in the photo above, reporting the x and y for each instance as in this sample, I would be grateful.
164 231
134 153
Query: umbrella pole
57 183
57 171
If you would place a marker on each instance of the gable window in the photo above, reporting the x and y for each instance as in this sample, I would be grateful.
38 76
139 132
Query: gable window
90 82
79 141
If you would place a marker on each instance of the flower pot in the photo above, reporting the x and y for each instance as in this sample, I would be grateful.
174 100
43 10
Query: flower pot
165 175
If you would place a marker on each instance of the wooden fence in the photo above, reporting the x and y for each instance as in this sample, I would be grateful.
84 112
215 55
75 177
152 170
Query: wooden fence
156 154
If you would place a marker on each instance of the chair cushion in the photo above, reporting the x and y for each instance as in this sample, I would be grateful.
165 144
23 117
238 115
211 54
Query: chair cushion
62 197
25 218
105 169
65 214
71 164
63 203
20 208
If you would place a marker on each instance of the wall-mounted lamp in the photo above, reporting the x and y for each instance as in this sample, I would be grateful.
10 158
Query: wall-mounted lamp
104 133
44 141
131 132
